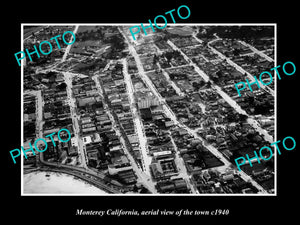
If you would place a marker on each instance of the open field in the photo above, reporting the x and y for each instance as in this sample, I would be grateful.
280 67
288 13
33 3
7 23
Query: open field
87 28
183 31
28 30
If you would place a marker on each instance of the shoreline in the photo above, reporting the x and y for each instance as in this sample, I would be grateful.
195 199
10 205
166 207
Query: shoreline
52 183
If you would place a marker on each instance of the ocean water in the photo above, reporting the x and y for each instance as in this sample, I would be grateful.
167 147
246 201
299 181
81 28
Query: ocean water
57 183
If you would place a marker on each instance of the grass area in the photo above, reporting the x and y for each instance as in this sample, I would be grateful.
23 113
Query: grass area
80 45
182 31
211 161
87 28
29 29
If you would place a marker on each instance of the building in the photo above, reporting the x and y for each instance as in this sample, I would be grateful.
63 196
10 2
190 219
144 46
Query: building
146 100
163 165
119 163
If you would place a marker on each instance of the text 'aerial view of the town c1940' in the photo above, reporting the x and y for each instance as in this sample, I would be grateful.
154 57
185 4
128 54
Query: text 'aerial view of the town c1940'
157 115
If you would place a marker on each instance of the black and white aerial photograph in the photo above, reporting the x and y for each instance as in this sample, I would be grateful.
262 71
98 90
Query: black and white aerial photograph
160 112
148 114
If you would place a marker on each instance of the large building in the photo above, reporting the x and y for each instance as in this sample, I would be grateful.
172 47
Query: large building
146 100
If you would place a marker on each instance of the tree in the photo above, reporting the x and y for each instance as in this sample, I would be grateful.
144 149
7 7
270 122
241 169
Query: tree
62 86
155 59
117 43
208 84
236 51
168 56
243 117
196 85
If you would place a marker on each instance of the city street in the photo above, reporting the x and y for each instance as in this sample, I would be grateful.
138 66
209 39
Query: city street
69 46
177 89
147 159
225 96
116 102
143 178
182 169
257 51
239 68
171 115
72 103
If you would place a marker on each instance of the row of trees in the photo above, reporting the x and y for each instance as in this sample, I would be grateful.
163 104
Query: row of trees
237 32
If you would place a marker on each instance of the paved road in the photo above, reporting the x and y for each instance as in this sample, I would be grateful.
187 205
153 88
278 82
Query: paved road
170 113
177 89
239 68
231 102
98 179
72 104
268 58
69 46
39 104
226 97
147 159
85 173
95 178
167 109
182 169
142 176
